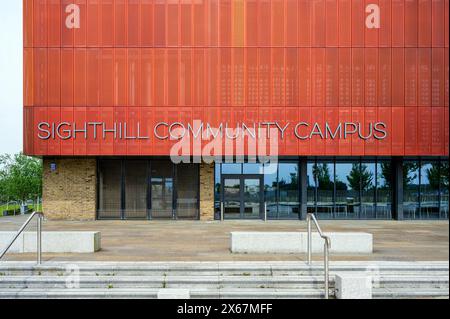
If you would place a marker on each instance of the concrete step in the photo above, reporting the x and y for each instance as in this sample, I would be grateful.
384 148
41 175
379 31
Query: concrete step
407 293
185 282
395 282
153 293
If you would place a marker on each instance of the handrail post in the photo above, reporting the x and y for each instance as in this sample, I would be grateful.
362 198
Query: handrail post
39 240
327 276
222 217
265 211
309 248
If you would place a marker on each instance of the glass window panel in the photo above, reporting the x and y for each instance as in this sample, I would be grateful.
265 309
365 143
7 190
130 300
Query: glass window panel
110 189
411 189
162 189
187 191
429 190
311 191
232 198
288 205
368 186
384 190
135 189
271 189
444 175
232 168
323 174
348 185
253 168
217 189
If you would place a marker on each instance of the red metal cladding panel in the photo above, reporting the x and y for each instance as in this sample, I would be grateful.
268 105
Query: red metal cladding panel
357 77
424 75
446 141
332 77
304 145
438 130
79 79
385 39
424 130
398 130
358 23
305 77
54 77
146 131
345 144
66 143
318 76
304 23
80 34
411 77
120 117
93 23
398 77
146 81
67 34
133 134
372 34
54 23
28 23
120 77
357 142
411 23
332 26
370 75
95 132
121 25
28 77
318 23
93 68
437 77
332 119
317 143
40 146
446 77
27 133
370 144
384 82
345 77
80 138
277 21
291 143
67 77
446 23
385 116
292 78
225 23
40 23
424 23
292 21
146 22
134 77
278 80
40 73
134 31
411 134
345 23
398 23
438 23
107 141
172 77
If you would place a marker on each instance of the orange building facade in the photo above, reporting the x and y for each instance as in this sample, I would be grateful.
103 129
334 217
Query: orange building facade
107 78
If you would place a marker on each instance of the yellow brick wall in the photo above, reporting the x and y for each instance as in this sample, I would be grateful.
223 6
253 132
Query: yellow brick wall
69 193
206 191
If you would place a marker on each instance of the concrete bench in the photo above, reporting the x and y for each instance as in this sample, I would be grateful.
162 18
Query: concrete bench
53 242
296 242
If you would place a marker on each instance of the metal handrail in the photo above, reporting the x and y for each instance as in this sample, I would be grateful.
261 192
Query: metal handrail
326 250
38 236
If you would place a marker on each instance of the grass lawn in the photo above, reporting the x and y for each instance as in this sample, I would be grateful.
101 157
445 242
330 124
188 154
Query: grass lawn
17 208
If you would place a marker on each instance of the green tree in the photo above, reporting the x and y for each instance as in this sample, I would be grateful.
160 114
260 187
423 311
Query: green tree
20 177
360 177
433 175
322 176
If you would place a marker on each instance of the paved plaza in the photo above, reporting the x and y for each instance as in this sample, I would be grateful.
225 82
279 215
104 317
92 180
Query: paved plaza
210 241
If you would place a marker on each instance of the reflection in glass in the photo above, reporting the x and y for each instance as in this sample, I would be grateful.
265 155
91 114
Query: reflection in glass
443 213
429 190
271 191
252 198
217 189
288 203
109 188
162 189
187 191
311 189
384 190
323 174
232 168
368 187
135 189
411 189
232 198
348 184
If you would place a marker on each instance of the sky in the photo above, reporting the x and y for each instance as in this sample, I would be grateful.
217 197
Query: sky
11 100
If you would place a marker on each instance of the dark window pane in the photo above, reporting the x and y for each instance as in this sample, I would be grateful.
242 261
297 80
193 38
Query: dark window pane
162 189
271 189
411 189
217 189
109 189
311 192
444 189
135 189
288 191
187 191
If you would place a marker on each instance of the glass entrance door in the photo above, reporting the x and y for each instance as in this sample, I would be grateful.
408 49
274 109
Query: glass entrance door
243 196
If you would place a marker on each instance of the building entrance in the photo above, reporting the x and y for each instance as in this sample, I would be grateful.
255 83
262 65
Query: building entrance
243 196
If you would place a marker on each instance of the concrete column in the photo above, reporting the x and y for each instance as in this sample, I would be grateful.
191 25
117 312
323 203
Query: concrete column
207 191
70 189
397 176
303 196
